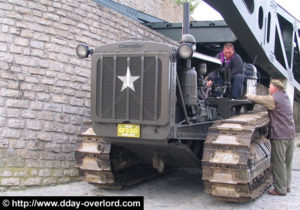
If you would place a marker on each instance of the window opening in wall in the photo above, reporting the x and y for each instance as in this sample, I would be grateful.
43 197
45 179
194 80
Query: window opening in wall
278 50
260 17
269 27
250 5
287 36
296 63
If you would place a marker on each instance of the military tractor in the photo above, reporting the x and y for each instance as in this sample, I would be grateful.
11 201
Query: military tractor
152 112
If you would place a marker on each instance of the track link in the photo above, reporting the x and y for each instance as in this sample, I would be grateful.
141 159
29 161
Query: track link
236 158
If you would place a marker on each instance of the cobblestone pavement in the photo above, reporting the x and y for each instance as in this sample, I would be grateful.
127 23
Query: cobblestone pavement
181 189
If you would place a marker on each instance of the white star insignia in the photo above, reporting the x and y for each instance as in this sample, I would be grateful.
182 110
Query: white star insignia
128 80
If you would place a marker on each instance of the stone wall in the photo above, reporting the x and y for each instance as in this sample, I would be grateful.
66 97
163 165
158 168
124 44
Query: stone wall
45 88
166 10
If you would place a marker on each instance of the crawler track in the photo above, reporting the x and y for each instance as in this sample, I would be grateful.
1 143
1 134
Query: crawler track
236 158
102 165
235 162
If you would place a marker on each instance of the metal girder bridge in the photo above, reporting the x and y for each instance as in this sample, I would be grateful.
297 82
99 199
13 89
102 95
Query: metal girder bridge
266 31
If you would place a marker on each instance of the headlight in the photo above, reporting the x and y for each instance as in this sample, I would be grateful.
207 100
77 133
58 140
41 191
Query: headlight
83 51
185 51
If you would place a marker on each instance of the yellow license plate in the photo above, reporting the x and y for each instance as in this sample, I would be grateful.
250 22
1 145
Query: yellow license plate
129 130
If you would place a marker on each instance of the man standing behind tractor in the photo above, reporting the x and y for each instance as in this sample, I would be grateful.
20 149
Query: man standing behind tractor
282 130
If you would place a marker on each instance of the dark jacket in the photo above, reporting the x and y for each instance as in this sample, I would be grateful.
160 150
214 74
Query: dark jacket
282 121
235 64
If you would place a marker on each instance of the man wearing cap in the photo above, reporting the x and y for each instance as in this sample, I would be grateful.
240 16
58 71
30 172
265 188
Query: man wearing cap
282 131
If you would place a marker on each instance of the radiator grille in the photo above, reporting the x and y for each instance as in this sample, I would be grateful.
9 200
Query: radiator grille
140 101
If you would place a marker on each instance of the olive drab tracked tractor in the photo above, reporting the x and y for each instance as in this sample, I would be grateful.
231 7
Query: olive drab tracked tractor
152 112
152 109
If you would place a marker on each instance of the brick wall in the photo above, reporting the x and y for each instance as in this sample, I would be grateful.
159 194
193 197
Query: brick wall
45 88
